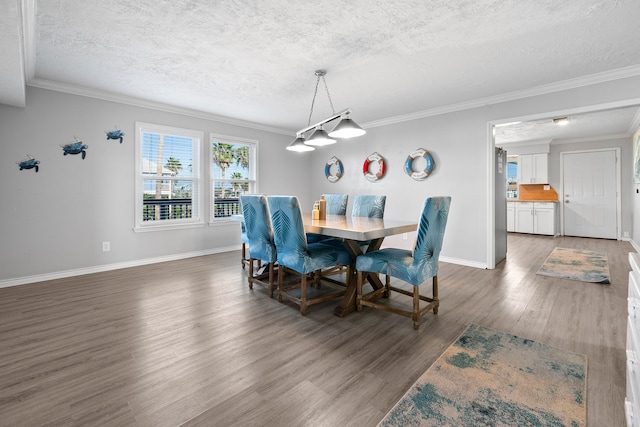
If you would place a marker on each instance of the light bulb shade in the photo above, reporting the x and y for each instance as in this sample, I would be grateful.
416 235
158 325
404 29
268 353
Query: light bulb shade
319 138
347 128
299 145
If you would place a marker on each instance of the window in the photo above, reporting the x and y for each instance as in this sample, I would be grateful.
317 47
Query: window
168 190
233 173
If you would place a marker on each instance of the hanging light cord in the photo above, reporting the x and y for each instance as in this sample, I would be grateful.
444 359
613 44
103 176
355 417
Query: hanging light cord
320 73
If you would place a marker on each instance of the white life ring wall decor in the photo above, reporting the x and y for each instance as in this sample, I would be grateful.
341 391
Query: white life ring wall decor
339 170
430 164
373 177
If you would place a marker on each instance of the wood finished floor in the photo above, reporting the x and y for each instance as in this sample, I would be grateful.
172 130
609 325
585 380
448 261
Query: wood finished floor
187 343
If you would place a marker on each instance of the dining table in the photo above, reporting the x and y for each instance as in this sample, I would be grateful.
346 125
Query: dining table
359 235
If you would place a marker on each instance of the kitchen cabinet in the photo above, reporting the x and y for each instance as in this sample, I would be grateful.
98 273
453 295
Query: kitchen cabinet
533 169
535 218
511 217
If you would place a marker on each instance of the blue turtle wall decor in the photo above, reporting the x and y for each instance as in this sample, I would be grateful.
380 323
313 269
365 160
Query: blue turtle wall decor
75 148
29 163
115 134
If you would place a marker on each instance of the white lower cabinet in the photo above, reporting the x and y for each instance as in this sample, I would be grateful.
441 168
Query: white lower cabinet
535 217
632 401
511 217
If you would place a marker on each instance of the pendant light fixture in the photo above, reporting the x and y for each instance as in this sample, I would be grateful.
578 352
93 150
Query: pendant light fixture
346 128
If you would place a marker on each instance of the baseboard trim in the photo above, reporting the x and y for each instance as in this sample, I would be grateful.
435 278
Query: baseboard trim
464 262
108 267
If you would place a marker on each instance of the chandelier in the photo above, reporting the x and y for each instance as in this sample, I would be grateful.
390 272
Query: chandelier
317 137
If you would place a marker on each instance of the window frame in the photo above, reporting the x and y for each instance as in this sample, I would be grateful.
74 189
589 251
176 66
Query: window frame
197 199
253 171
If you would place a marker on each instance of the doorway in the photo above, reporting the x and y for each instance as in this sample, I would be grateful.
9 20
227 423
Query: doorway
590 205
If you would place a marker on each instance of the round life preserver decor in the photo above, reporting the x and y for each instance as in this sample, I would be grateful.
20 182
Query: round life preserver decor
373 177
339 170
428 168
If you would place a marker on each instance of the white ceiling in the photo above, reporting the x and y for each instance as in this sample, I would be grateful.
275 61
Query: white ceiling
255 60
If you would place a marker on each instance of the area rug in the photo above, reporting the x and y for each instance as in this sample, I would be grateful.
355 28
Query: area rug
575 264
491 378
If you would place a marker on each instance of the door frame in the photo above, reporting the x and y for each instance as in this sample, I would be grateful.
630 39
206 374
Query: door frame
618 187
490 146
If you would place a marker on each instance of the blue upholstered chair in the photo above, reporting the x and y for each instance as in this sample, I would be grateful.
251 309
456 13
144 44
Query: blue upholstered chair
262 246
244 260
370 206
296 255
413 267
336 203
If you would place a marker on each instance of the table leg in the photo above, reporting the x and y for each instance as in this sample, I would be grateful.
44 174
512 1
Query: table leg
348 303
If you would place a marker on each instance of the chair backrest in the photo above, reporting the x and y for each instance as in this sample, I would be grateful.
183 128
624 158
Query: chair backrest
258 225
336 203
433 221
288 228
368 206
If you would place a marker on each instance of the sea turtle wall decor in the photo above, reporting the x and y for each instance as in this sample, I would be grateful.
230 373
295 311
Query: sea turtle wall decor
115 134
75 148
29 163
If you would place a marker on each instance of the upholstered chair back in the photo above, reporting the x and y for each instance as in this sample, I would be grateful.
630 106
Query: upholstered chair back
257 222
368 206
336 203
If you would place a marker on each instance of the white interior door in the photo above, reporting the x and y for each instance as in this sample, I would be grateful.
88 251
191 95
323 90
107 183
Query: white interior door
590 205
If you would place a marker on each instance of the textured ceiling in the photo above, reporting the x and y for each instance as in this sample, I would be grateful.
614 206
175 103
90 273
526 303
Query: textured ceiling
618 122
255 60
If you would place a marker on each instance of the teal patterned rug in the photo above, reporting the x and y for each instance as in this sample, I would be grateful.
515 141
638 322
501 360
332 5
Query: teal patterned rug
576 264
491 378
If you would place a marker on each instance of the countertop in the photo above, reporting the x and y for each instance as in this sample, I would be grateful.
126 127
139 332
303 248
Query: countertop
534 201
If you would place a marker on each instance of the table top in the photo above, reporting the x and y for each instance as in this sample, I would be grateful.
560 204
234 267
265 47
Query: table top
352 227
356 228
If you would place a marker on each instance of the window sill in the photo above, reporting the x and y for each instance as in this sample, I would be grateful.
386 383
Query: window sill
148 228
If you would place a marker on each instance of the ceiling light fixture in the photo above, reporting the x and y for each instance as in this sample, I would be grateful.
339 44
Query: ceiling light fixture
561 121
346 128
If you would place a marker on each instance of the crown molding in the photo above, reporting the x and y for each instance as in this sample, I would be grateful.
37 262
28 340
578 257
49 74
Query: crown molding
153 105
631 71
590 138
28 9
607 76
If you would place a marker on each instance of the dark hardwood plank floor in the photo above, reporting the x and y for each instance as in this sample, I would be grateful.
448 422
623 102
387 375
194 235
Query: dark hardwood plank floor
187 343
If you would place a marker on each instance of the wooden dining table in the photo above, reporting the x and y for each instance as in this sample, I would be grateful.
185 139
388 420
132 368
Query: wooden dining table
353 230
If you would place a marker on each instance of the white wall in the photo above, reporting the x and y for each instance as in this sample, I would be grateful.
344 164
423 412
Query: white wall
635 201
55 220
461 147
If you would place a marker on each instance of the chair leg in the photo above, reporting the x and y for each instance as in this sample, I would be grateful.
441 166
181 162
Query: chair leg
243 259
359 276
435 295
250 276
416 307
280 282
271 284
303 295
387 287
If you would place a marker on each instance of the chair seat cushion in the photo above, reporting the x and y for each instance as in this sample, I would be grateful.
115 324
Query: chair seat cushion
398 263
315 238
317 256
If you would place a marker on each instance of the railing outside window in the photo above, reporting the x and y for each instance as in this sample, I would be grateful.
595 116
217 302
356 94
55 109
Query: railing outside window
163 209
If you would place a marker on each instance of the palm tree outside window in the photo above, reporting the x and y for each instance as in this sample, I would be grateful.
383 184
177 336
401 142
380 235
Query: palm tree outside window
233 173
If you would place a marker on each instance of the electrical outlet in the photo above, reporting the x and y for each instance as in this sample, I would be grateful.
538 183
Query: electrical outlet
626 234
404 236
106 246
